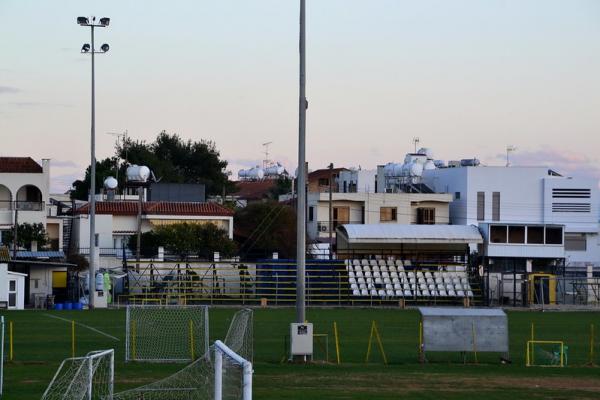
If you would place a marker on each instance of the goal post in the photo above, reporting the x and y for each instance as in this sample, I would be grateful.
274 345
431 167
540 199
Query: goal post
545 353
166 333
77 378
238 380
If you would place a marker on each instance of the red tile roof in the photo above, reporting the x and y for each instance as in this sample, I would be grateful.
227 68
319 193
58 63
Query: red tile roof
158 208
19 165
254 190
324 173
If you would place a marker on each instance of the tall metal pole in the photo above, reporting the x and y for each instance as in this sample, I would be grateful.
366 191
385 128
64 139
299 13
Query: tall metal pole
330 211
301 189
92 213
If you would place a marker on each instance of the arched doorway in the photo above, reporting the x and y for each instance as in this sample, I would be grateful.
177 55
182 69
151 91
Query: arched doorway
5 198
29 197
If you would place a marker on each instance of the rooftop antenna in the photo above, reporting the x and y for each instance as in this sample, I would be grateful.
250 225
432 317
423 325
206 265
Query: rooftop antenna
123 136
266 161
416 141
509 149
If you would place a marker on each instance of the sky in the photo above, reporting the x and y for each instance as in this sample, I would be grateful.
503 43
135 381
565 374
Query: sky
466 77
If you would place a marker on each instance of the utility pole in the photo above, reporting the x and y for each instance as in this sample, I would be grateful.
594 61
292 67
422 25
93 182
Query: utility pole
330 210
16 231
301 189
139 228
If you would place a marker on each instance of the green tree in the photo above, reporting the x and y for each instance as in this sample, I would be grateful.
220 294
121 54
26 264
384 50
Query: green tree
27 233
186 239
283 185
265 227
104 169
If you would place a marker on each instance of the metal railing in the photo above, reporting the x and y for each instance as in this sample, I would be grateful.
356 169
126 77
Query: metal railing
21 205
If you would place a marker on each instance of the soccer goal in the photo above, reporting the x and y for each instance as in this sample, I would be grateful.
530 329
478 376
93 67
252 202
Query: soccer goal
90 378
166 333
236 383
197 380
546 353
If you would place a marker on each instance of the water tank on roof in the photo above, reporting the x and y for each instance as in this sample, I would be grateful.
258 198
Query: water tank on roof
274 170
469 162
429 165
426 152
138 173
440 163
252 173
110 183
415 169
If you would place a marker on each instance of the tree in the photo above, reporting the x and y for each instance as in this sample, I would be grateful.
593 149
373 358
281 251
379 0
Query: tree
186 239
27 233
266 227
104 169
175 160
283 185
171 158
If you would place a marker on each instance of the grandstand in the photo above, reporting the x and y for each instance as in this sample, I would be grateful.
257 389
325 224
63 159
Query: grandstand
399 279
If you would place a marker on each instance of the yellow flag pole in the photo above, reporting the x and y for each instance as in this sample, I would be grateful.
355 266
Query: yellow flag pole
337 342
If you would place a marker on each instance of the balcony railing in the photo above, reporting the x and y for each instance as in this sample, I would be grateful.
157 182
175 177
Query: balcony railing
21 205
325 226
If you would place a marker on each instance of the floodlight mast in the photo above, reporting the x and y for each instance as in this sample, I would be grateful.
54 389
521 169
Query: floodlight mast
301 187
91 49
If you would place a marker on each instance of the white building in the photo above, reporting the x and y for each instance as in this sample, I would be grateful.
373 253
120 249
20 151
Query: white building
356 180
525 212
374 208
116 221
24 196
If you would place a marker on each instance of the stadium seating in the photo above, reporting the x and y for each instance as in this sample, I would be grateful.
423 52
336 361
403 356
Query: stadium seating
389 279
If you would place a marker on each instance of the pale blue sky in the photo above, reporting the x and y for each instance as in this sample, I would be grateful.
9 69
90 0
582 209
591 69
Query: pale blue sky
467 77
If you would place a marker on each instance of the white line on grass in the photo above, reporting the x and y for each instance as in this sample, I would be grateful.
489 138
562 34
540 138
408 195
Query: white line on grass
85 326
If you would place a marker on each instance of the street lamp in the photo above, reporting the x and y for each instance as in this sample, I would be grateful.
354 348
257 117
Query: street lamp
91 49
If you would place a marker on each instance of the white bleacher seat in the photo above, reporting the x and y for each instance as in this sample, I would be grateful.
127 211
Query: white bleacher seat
421 280
442 293
368 274
382 262
387 280
411 274
364 262
352 280
353 286
388 286
376 274
375 268
469 293
372 263
395 279
397 286
430 281
351 274
378 281
355 262
412 280
428 275
407 263
439 279
399 263
390 293
393 270
425 293
383 269
407 293
373 292
366 268
431 286
458 286
355 293
362 286
460 293
359 274
440 287
385 274
360 279
364 292
451 293
449 287
381 293
399 293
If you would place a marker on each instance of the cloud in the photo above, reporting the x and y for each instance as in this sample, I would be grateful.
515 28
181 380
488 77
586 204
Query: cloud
9 89
564 162
24 104
62 183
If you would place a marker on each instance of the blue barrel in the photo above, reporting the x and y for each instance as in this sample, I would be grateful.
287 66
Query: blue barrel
67 306
58 306
77 306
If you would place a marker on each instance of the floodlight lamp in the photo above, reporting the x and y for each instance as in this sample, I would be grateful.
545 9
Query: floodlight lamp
82 21
104 47
85 48
104 21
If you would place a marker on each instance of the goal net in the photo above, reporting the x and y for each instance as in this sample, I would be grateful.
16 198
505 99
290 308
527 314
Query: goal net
197 380
90 378
166 333
546 353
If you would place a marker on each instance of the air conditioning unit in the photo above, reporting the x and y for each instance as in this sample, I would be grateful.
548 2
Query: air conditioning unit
323 228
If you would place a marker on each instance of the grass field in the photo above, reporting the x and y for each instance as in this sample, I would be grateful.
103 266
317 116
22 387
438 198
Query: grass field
41 342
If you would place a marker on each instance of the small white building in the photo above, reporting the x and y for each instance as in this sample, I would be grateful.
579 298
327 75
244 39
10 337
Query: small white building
12 288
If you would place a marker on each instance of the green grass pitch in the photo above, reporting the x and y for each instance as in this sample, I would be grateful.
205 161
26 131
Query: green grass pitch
41 342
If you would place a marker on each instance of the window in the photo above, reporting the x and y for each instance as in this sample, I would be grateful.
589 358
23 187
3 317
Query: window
535 235
554 235
387 214
12 286
516 234
425 216
496 206
480 206
575 242
456 195
311 214
498 233
323 182
341 215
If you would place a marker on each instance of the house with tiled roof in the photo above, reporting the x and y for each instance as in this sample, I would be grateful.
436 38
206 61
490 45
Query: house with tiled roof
117 221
